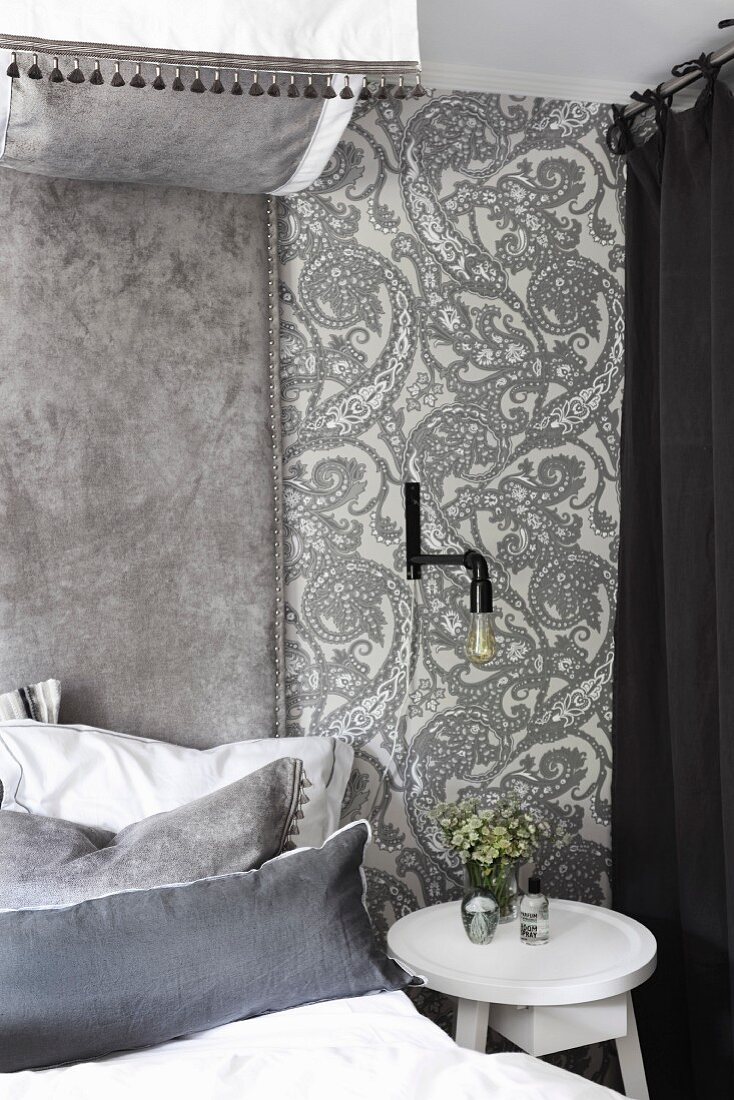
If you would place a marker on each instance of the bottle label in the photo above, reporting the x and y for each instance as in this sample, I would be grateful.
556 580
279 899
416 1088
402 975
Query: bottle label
533 927
529 927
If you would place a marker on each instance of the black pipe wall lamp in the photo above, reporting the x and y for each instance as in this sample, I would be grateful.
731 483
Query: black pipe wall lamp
481 644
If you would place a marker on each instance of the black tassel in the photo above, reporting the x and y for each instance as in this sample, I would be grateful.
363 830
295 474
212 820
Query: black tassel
237 87
419 91
56 76
117 80
159 83
256 87
34 72
274 88
329 92
293 92
96 77
13 71
197 83
400 92
137 81
346 92
364 91
310 91
178 84
217 87
382 92
76 76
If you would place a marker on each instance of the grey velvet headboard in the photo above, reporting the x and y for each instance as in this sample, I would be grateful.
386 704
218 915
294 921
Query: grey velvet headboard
139 473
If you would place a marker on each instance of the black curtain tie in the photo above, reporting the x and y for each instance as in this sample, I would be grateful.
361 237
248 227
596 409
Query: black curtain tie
619 136
709 72
659 101
703 65
619 133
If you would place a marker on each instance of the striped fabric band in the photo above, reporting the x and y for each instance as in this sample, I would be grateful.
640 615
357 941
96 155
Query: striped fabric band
37 701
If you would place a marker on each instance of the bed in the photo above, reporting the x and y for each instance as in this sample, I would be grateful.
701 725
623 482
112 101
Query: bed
96 957
376 1046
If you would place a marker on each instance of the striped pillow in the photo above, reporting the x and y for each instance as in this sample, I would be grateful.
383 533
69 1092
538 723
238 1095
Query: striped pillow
37 701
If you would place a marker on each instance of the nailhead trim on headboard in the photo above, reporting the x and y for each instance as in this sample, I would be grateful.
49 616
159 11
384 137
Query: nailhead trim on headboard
275 431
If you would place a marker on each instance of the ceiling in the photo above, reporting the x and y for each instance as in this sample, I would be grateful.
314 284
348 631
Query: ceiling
583 49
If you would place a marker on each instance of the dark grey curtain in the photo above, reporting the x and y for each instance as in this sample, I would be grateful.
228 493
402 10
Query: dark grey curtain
673 819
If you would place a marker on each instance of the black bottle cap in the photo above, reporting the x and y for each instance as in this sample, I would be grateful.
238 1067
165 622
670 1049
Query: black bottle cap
534 884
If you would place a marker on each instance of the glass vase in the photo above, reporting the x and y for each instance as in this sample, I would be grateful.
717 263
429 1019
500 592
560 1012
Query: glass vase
480 914
501 880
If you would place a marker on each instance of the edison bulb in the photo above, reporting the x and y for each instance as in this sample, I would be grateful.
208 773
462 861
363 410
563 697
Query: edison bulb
481 644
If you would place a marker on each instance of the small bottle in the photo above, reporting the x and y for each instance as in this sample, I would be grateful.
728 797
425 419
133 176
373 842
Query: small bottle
534 914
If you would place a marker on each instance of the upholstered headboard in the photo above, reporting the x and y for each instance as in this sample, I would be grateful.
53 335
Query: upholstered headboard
139 469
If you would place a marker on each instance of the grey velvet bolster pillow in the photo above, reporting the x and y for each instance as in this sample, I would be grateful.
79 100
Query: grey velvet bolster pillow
47 861
138 968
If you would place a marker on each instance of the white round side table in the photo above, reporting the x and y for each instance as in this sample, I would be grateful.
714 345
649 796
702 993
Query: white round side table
572 991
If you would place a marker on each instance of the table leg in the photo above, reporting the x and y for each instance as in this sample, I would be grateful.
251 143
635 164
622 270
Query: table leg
472 1021
630 1058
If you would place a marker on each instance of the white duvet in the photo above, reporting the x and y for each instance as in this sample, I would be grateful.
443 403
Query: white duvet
364 1048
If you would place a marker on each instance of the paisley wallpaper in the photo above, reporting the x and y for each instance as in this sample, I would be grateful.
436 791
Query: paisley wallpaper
452 313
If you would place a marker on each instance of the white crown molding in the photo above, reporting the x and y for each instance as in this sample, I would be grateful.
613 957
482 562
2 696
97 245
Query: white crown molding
466 78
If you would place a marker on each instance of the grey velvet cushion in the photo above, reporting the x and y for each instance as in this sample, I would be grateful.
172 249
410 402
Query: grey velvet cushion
138 968
46 861
240 144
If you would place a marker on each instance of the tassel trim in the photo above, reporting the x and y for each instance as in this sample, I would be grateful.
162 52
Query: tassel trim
298 814
76 76
419 91
323 89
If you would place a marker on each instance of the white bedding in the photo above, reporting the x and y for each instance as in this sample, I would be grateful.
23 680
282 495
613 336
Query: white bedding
365 1048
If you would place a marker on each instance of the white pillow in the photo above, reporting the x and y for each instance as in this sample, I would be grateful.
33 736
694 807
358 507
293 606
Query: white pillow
109 780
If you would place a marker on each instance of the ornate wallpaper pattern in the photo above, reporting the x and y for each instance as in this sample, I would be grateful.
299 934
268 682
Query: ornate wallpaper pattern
452 313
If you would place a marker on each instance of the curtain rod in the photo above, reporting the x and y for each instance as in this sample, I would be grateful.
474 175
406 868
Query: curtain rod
719 57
